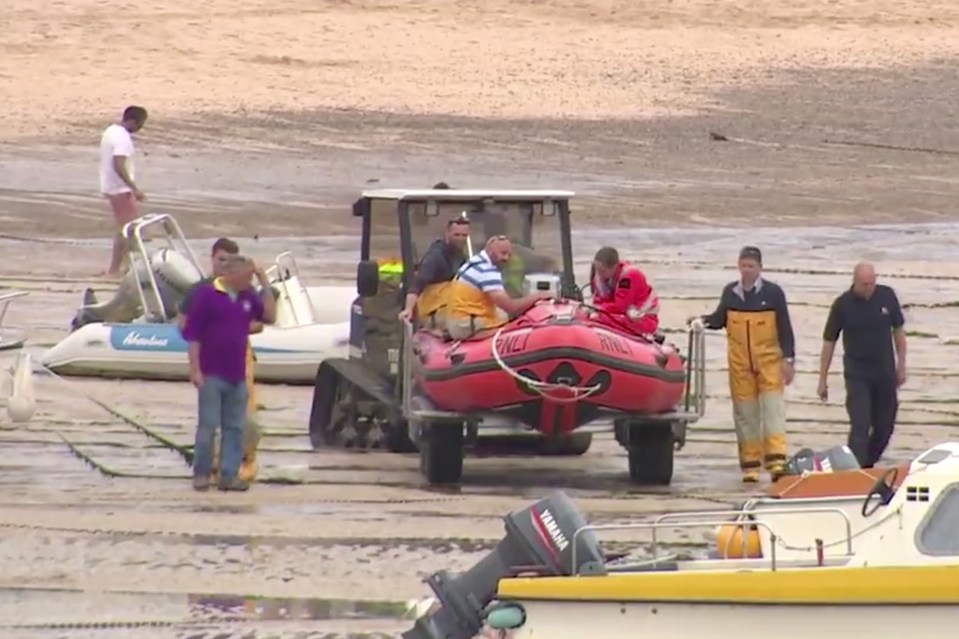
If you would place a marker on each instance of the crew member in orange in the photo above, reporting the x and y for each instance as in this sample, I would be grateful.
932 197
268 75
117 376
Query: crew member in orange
761 352
623 293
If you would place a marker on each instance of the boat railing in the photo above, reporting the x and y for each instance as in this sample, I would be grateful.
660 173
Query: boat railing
5 300
408 382
137 251
693 406
711 518
283 267
406 366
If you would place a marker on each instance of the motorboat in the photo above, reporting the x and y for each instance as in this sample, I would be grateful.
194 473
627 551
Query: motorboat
549 577
135 334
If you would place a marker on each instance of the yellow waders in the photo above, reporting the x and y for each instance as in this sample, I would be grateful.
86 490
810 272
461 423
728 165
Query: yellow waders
756 386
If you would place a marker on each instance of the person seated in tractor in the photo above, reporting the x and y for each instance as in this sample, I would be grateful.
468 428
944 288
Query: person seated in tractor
622 294
428 292
477 296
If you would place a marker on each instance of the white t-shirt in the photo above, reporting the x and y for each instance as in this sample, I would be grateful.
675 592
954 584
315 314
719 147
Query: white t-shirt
116 141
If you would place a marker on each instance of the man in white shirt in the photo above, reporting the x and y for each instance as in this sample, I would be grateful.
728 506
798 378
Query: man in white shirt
116 177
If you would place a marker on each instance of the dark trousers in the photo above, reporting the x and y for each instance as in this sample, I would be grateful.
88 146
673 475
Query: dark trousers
872 406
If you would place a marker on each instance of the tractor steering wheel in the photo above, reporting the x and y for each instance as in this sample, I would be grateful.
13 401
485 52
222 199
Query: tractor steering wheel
884 489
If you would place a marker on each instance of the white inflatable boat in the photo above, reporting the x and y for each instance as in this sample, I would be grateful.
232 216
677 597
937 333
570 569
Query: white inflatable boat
311 324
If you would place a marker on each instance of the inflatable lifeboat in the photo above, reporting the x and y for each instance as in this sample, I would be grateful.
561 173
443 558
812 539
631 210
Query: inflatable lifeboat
554 368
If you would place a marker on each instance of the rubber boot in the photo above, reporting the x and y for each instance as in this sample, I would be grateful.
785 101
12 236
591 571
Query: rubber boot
215 468
746 415
252 433
773 409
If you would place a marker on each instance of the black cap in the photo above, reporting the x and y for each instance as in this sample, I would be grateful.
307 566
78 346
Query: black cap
751 253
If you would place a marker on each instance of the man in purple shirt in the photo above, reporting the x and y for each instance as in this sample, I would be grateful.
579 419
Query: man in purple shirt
217 330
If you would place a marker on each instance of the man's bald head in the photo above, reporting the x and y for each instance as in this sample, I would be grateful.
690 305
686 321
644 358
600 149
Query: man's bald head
864 280
498 248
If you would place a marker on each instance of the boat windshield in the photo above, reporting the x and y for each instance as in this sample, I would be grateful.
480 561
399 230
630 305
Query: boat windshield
535 237
937 533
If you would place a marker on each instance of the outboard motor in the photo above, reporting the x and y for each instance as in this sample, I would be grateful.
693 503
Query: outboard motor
537 538
828 461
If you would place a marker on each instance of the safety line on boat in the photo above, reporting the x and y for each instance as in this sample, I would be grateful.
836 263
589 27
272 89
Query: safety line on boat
841 541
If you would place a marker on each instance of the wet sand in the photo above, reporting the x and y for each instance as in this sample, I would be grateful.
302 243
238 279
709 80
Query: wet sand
363 526
268 121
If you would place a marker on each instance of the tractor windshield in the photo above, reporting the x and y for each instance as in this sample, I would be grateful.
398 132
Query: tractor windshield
536 238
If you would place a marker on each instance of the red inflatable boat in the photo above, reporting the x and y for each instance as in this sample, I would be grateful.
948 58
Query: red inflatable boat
553 368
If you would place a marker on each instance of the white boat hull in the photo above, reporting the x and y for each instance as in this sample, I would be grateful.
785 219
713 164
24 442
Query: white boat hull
158 352
566 620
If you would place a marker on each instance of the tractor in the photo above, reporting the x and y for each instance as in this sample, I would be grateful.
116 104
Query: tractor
370 401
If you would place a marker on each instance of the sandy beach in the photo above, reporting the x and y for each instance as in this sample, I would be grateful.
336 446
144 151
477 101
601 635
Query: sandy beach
268 119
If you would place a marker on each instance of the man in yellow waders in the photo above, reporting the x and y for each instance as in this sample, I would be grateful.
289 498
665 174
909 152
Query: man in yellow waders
761 352
431 281
252 431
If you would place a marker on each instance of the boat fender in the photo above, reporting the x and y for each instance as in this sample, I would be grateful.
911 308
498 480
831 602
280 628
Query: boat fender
730 544
23 402
505 615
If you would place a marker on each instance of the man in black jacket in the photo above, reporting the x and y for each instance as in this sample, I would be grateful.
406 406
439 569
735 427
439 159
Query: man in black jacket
870 320
427 294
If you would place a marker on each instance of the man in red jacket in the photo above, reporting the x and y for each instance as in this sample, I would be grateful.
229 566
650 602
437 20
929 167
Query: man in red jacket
621 292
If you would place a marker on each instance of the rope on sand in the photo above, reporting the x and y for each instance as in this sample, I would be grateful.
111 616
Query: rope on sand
185 452
46 240
891 147
105 625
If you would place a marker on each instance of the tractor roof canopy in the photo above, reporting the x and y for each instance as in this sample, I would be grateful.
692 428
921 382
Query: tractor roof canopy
400 224
465 195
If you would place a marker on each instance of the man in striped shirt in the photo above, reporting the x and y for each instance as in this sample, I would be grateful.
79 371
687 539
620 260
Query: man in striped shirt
477 297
